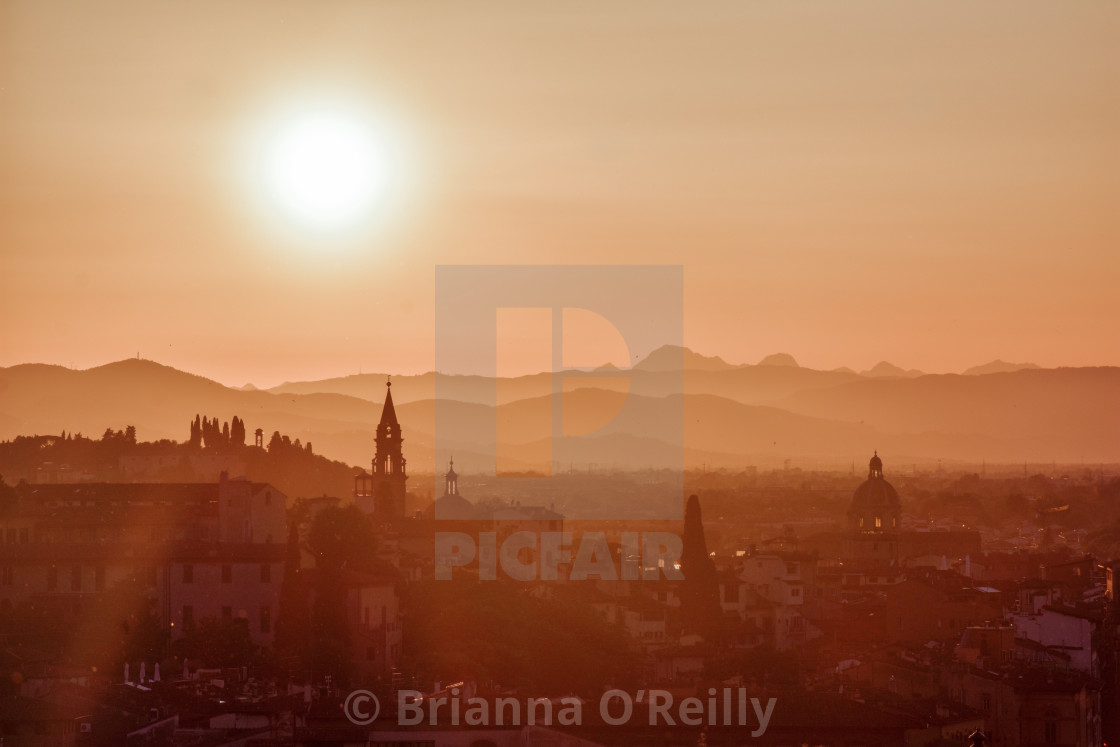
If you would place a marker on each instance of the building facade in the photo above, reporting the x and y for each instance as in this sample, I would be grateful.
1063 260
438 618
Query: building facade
197 550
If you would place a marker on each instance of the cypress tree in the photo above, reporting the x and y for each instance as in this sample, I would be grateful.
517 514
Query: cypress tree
700 608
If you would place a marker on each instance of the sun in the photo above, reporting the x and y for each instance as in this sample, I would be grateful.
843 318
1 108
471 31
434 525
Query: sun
325 170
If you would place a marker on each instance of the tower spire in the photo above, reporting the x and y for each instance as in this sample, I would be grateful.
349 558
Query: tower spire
388 412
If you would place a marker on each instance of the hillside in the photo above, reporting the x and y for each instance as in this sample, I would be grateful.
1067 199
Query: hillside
730 416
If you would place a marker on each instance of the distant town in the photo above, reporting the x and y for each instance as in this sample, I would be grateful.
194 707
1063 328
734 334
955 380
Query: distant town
237 588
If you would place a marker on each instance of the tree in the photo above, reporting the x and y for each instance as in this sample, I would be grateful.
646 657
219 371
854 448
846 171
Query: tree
196 432
7 496
130 435
237 432
293 619
340 539
343 536
122 624
700 608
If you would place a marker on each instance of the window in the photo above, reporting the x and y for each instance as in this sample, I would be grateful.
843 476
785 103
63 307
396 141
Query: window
1050 726
227 574
7 575
188 573
266 573
188 617
76 578
266 619
268 497
986 703
227 613
878 522
52 578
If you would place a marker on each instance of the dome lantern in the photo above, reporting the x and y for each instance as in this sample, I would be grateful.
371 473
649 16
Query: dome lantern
875 467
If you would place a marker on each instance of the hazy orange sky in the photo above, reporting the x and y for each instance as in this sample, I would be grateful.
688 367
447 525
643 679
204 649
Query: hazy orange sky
935 184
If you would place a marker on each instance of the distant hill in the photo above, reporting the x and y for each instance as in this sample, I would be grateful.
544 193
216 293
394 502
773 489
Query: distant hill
1064 413
998 366
655 376
676 358
885 369
161 401
733 415
779 359
294 470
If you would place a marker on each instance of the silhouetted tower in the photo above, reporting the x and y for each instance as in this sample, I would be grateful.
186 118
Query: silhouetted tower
381 491
258 438
451 480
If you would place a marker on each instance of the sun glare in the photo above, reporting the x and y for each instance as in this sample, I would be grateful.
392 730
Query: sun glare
325 170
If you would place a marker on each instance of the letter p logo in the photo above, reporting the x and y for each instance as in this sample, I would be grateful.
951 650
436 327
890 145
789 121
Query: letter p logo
553 392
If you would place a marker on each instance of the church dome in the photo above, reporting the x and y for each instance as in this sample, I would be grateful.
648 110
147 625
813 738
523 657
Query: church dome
875 491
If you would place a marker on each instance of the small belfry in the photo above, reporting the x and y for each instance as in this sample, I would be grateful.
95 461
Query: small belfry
451 480
381 492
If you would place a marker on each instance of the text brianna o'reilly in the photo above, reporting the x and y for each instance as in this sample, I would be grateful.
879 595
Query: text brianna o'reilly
729 706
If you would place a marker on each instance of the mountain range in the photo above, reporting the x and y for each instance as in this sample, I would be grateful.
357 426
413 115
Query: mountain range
732 415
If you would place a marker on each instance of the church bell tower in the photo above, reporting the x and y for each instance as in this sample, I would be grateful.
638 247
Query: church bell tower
381 492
